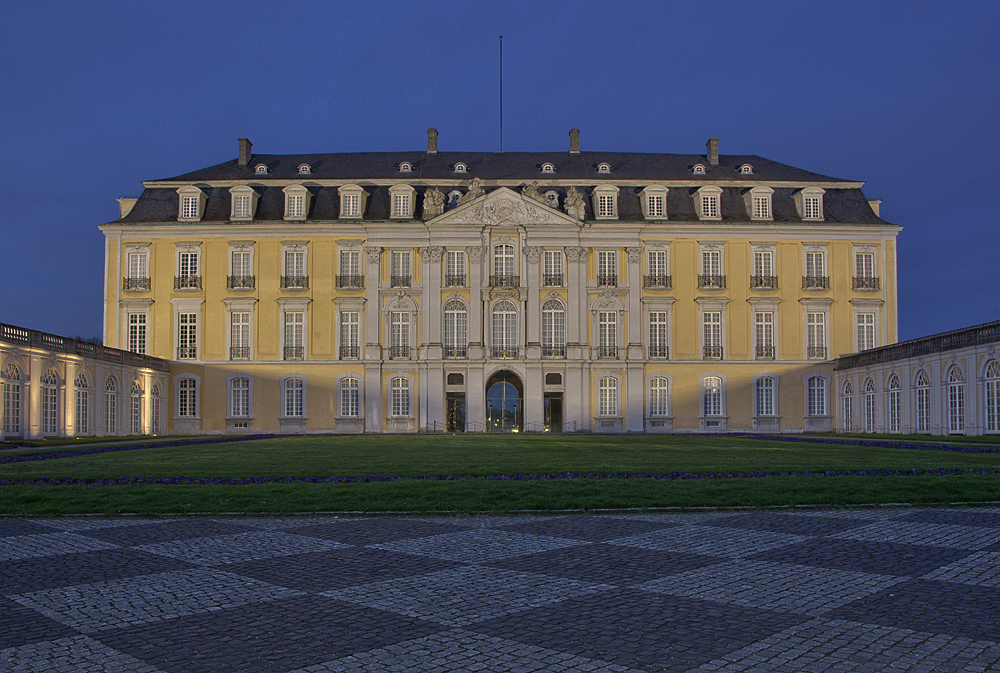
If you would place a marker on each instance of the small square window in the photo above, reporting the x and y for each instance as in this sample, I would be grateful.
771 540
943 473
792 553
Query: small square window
553 379
456 379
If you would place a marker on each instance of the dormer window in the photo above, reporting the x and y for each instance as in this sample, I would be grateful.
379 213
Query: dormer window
402 199
548 168
260 169
758 202
654 202
606 202
453 198
552 198
706 203
244 202
406 167
191 203
746 169
698 169
352 201
461 168
809 203
296 202
603 167
305 169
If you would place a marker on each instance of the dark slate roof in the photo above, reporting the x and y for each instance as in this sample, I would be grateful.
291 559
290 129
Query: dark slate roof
506 166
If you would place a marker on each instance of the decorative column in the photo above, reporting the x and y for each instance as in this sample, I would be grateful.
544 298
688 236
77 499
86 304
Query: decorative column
475 253
373 307
576 280
533 336
430 326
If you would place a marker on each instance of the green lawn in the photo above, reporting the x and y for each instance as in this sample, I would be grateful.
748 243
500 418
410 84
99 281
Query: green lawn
485 455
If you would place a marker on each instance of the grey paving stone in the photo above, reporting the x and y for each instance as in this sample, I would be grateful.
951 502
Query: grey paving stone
159 532
978 517
48 544
885 558
79 654
465 595
782 522
224 549
590 528
107 605
981 568
477 546
709 541
84 523
12 527
20 625
932 534
773 586
374 531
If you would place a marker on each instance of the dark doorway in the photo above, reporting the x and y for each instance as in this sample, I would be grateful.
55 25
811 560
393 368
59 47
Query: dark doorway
455 412
504 410
553 419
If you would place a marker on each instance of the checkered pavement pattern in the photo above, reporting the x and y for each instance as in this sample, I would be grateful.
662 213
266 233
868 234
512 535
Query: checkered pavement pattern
862 590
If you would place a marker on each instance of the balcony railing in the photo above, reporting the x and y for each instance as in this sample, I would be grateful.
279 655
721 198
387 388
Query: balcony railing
657 282
815 282
135 284
659 352
712 352
977 335
295 352
351 282
23 335
763 282
295 282
400 281
553 351
187 282
187 353
552 280
241 282
607 352
350 352
454 280
711 282
607 280
504 352
400 352
865 283
816 352
239 352
765 352
505 280
456 352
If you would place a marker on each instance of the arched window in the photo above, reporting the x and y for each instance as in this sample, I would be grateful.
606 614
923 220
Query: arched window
923 402
956 400
155 412
110 406
608 400
847 420
49 382
454 197
349 397
294 397
135 409
993 397
711 399
406 167
11 400
187 398
746 169
461 168
553 329
698 169
659 396
504 329
82 386
816 405
261 169
892 403
869 403
399 389
239 397
548 168
764 396
456 329
603 168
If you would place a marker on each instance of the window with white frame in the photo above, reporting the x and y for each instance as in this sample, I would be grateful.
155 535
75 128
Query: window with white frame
707 203
712 334
294 397
454 268
893 406
504 329
659 336
138 271
698 169
659 396
746 169
815 268
956 400
400 397
456 327
654 202
352 199
865 276
711 277
305 169
992 385
350 344
868 402
111 406
239 335
552 268
758 201
816 335
763 277
187 271
137 333
349 273
608 396
402 197
461 168
866 331
657 272
504 262
816 391
548 168
187 397
607 267
296 202
241 269
399 268
923 402
809 203
239 397
50 411
260 169
764 335
603 167
135 409
11 400
350 397
243 201
847 419
294 269
191 201
399 334
405 167
605 202
82 385
711 398
764 390
154 412
187 336
553 328
607 326
294 335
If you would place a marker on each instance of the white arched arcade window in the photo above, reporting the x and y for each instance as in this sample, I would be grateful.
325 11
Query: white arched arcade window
156 410
847 402
110 406
893 407
992 397
923 401
50 402
135 409
82 385
11 400
869 405
956 400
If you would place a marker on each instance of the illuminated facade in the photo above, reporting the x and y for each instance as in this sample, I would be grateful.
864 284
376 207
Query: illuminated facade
469 291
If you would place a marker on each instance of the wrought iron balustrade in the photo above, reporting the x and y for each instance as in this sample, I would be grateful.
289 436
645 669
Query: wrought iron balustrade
400 352
295 282
350 352
816 352
239 352
351 282
659 352
505 280
711 282
765 352
399 281
504 352
552 280
763 282
607 352
135 284
607 280
815 282
187 282
657 281
865 283
712 352
295 352
187 353
456 352
553 351
454 280
241 282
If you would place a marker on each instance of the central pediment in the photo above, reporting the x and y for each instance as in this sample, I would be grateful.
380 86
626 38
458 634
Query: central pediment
503 206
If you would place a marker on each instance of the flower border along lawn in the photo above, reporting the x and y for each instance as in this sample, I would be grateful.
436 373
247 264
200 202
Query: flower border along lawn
471 473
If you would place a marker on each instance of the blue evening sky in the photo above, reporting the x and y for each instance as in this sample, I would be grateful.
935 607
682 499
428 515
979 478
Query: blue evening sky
98 96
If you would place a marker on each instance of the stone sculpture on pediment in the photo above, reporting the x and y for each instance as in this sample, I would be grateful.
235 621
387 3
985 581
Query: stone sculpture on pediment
433 203
373 255
576 207
507 209
530 191
475 191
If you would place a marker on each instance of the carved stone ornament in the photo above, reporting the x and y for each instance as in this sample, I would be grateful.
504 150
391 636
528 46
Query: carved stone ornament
373 255
575 205
533 253
433 203
990 349
475 191
530 191
634 254
505 293
508 210
576 254
432 253
506 240
474 252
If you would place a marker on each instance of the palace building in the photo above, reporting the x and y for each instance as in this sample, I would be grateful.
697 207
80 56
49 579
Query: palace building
501 292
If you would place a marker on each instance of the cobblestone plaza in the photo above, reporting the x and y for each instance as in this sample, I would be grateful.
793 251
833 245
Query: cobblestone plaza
785 591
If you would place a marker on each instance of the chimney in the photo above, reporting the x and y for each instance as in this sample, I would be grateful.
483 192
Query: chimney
876 205
713 151
574 141
432 141
244 159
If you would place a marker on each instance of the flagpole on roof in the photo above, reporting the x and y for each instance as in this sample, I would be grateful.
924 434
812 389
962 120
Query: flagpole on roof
501 94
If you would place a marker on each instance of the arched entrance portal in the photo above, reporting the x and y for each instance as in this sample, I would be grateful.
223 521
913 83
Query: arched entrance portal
504 408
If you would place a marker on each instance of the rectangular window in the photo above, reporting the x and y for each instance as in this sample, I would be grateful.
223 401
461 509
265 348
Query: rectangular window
295 205
240 395
762 207
241 206
239 335
350 263
454 268
552 268
553 329
866 331
350 346
816 336
349 398
817 396
658 334
656 263
764 396
400 390
764 334
401 205
137 333
606 205
864 265
138 265
711 262
189 207
811 209
294 389
49 410
399 269
187 398
295 263
455 327
607 267
712 323
763 263
295 335
815 266
188 262
350 205
656 205
240 264
923 409
503 260
709 206
608 329
399 329
187 336
608 397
